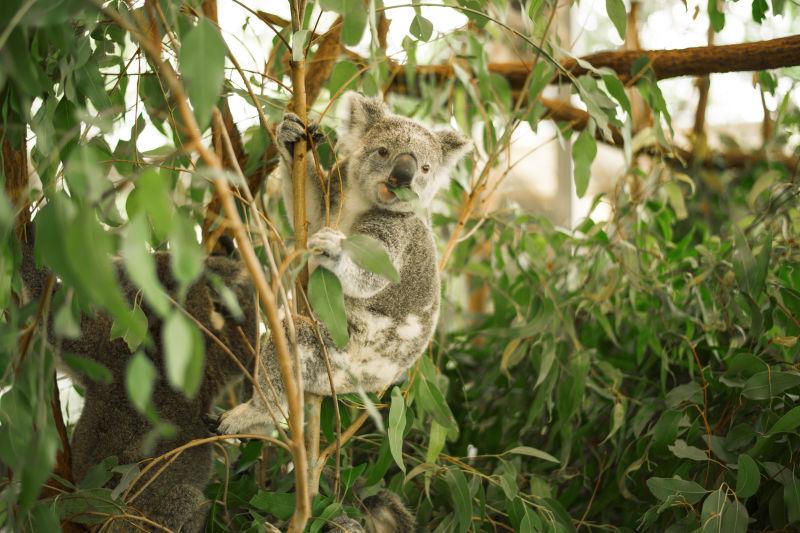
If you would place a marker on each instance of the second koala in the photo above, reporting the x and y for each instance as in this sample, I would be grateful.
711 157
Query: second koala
390 324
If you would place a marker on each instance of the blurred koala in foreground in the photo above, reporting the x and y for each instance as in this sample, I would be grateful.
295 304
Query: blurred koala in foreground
110 426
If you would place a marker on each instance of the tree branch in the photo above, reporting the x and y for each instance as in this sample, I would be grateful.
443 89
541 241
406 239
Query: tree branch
697 61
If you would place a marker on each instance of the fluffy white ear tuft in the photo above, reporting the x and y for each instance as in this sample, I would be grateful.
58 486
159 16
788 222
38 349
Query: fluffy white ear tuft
357 113
454 147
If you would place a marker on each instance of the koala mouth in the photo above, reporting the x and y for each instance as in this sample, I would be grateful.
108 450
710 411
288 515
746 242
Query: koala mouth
386 194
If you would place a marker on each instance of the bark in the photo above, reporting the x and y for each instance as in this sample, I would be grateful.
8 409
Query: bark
697 61
641 115
703 86
15 170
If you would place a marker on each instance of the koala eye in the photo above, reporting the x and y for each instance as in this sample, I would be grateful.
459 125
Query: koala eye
383 152
426 168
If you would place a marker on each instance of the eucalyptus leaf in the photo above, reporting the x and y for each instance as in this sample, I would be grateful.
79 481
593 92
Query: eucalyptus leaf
327 301
202 64
370 254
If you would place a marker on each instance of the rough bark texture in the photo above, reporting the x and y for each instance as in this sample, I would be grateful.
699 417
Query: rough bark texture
15 170
697 61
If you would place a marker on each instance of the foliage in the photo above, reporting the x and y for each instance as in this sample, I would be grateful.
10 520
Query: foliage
639 373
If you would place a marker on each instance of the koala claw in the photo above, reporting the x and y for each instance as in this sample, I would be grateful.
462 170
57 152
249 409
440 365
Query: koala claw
327 242
212 423
292 129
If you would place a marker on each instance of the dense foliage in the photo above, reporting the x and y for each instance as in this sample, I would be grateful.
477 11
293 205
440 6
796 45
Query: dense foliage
637 374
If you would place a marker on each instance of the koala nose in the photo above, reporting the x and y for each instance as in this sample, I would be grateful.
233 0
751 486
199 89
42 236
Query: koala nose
405 166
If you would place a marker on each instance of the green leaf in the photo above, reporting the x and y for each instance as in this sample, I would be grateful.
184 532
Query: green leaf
327 301
140 266
92 369
617 90
279 504
202 64
461 497
787 423
133 330
747 478
355 18
533 452
436 439
744 263
616 12
85 175
540 78
760 8
711 514
404 194
734 518
421 28
791 497
432 400
186 258
370 254
151 196
662 488
666 429
139 380
583 153
690 392
681 450
183 351
768 384
298 44
343 78
397 426
716 16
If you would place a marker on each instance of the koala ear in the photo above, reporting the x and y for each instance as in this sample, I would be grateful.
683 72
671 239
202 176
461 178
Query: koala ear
454 147
357 113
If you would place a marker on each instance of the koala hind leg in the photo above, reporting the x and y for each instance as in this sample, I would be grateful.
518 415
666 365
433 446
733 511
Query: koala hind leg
254 415
248 417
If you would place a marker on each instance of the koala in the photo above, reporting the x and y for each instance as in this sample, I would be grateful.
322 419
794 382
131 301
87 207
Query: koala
390 324
384 513
110 426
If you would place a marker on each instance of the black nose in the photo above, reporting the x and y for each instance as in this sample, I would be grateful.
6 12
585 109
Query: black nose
405 166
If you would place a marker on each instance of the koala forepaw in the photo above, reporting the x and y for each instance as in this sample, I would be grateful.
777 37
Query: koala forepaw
327 243
212 423
292 129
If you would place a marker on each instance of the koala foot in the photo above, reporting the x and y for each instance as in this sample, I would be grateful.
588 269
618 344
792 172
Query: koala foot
386 512
327 242
292 129
244 418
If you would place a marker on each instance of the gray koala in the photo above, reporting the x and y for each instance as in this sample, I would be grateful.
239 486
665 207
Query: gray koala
110 426
390 324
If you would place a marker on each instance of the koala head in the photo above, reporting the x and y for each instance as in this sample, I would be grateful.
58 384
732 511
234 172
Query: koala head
387 151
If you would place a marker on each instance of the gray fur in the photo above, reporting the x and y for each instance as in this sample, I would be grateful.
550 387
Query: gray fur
110 426
384 513
390 324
